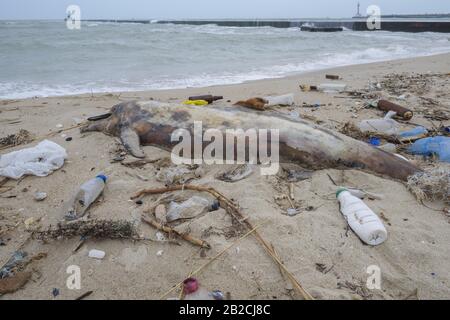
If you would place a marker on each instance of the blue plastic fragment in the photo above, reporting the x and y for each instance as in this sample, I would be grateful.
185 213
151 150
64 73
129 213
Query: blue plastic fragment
439 146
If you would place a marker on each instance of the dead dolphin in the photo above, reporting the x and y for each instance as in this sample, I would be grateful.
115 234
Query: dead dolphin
152 123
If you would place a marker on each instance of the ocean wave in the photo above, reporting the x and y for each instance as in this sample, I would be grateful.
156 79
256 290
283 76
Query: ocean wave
20 90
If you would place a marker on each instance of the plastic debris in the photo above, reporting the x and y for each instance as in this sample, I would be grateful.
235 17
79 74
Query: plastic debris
16 259
375 141
292 212
400 111
160 236
237 173
40 160
193 291
218 295
307 88
363 221
439 146
96 254
332 87
86 195
188 209
413 134
386 125
208 98
196 102
388 147
284 100
332 77
177 175
55 292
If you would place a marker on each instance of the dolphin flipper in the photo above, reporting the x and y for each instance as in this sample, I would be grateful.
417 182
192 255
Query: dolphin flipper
130 140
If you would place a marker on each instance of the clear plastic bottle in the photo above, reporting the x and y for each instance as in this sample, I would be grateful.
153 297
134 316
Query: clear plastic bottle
86 195
387 125
388 147
190 208
284 100
413 134
363 221
332 87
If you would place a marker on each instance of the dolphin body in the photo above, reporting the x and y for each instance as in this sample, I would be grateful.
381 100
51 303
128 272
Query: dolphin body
310 145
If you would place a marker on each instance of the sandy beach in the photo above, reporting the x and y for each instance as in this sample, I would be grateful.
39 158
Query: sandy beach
316 246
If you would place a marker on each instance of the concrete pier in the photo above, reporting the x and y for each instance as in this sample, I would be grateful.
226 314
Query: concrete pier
387 24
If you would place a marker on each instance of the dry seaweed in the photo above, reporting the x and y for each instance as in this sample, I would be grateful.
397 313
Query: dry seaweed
433 184
351 130
100 229
24 136
14 283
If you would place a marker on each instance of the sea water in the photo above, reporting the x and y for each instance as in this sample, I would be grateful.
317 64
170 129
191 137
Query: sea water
44 58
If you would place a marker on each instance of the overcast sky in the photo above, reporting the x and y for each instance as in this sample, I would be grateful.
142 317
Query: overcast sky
178 9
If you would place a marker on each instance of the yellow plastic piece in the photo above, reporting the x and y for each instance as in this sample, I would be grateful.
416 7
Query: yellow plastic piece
196 102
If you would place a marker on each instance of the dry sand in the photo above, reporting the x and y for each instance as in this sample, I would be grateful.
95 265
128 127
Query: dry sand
315 245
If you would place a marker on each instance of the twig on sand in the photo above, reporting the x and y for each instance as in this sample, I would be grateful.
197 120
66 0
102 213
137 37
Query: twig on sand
139 163
236 213
84 295
185 236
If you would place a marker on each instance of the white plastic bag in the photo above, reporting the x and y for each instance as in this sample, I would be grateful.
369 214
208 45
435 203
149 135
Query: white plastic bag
40 160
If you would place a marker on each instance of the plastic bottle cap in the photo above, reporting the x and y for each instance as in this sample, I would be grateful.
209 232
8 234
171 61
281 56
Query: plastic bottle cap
340 190
103 177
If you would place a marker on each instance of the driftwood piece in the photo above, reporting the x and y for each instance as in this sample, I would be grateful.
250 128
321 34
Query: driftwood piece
236 213
185 236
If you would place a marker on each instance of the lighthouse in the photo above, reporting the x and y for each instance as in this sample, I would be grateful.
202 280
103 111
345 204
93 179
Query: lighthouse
358 12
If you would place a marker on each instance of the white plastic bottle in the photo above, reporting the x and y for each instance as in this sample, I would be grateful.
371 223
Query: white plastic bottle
363 221
87 194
